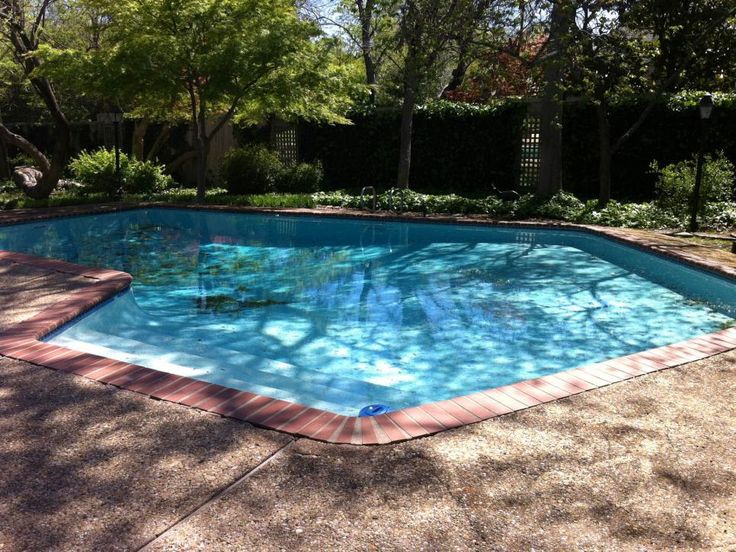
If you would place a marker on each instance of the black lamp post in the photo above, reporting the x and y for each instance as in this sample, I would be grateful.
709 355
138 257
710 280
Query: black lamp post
115 117
705 107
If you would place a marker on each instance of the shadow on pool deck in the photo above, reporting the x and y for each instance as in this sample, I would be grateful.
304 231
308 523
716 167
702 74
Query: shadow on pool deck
645 464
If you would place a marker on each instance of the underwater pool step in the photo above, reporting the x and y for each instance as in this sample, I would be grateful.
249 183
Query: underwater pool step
272 378
123 318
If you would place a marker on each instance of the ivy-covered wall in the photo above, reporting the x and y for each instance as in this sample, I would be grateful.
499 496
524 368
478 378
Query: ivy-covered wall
456 148
671 133
465 149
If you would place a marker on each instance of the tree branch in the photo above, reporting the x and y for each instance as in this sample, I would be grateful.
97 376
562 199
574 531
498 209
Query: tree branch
25 146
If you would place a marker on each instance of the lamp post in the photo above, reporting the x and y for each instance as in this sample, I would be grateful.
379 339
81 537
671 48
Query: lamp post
705 108
114 117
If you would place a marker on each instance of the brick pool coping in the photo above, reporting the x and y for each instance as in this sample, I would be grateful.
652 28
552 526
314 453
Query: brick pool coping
22 342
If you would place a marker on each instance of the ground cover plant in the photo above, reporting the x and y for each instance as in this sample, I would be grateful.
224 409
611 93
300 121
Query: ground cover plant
719 216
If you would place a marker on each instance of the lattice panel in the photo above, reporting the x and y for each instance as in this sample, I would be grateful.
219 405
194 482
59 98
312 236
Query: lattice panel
284 142
529 158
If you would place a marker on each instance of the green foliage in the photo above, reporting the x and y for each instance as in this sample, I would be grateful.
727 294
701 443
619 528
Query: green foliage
20 159
144 177
675 183
627 215
242 58
301 178
96 170
719 216
277 200
253 169
7 186
220 196
562 206
337 198
457 148
689 99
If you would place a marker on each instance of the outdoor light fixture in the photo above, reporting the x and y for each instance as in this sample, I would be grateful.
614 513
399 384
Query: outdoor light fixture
114 117
705 107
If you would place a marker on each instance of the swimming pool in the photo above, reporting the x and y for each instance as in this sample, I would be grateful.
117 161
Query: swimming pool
340 313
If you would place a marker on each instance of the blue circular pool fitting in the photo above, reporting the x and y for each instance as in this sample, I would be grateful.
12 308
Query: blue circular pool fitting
374 410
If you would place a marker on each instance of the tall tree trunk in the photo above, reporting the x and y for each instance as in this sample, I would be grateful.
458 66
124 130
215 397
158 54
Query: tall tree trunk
370 74
411 82
550 145
365 13
201 170
202 150
5 171
550 130
604 152
139 138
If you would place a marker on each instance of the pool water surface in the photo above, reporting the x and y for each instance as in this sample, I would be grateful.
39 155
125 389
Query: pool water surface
342 313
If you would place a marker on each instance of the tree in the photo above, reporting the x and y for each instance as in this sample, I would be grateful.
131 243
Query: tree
562 20
225 58
23 28
643 47
367 26
428 29
102 75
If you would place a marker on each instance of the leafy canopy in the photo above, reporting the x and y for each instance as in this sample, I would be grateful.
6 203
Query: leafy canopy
164 59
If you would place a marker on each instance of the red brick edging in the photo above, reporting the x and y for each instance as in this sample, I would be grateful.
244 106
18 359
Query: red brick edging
22 342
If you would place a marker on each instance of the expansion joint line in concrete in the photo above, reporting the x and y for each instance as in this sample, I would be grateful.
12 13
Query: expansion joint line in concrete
148 545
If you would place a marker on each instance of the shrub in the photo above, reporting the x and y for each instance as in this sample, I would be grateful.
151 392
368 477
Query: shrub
719 216
144 177
563 206
675 183
302 178
628 215
337 198
96 171
7 186
253 169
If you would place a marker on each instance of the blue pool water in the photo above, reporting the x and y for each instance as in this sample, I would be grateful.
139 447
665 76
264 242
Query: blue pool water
339 313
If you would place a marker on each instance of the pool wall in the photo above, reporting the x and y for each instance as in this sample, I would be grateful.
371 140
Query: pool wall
22 342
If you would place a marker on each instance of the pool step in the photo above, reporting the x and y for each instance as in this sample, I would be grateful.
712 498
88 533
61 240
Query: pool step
259 375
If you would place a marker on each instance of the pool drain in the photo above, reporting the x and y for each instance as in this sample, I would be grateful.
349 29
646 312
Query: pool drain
374 410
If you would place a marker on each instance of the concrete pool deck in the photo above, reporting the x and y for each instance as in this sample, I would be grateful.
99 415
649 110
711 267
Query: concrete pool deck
649 463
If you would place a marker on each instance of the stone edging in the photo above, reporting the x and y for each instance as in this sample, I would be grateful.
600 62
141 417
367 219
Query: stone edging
22 342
